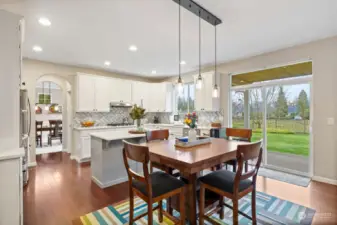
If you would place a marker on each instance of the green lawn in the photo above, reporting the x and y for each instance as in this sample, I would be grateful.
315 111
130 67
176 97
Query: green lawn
286 143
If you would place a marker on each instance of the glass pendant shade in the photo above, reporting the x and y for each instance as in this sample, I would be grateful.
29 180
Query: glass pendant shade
180 86
198 84
215 91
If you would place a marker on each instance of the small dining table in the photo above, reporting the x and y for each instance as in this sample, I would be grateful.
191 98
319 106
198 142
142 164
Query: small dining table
191 161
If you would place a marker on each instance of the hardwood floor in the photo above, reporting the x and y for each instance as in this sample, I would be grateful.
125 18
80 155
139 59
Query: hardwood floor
60 191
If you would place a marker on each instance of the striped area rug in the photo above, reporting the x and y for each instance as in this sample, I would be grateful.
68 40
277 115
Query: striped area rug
270 210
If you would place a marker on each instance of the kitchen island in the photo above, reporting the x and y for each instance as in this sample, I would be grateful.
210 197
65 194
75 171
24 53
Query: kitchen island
107 165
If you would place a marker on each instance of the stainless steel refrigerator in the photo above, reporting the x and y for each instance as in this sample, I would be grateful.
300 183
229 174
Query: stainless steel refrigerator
25 127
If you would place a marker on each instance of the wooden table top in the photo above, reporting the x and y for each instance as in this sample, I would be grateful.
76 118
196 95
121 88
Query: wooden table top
193 159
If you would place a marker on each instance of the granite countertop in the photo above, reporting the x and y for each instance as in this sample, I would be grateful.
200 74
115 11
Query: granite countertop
178 125
102 127
115 135
12 153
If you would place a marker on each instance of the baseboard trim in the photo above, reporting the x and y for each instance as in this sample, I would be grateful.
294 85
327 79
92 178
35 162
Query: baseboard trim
32 164
78 160
108 184
324 180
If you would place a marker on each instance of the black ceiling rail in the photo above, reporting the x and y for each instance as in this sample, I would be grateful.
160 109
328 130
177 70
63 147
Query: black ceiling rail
195 8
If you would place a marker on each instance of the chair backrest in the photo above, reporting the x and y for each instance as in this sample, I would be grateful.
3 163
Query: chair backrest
38 126
240 133
139 154
157 135
244 153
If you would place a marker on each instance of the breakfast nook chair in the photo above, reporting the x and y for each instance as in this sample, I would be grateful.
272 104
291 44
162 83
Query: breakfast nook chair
152 187
232 185
239 134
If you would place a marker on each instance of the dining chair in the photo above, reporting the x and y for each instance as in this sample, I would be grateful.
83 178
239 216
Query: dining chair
152 187
238 134
55 131
232 185
38 132
156 135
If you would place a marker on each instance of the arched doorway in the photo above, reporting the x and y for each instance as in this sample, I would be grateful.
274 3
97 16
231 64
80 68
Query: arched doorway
53 113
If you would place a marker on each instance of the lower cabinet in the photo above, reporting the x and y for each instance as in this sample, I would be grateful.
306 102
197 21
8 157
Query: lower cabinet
11 201
82 143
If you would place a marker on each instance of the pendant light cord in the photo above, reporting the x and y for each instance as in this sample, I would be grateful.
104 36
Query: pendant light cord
179 32
215 40
199 43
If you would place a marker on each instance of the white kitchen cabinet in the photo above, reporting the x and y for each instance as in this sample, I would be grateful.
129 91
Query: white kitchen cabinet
82 143
204 100
102 98
120 90
140 94
85 146
85 93
11 185
159 97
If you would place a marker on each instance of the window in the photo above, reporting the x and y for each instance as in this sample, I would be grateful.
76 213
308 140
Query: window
185 101
44 98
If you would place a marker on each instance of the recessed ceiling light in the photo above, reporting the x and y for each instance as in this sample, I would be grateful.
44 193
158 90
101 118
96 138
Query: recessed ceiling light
107 63
154 72
133 48
182 63
37 48
44 22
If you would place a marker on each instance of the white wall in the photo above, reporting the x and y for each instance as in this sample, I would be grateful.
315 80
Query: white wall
324 57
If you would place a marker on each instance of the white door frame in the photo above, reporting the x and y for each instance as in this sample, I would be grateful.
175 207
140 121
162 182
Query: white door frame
263 85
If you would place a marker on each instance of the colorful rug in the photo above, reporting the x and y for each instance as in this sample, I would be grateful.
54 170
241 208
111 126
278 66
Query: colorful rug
270 210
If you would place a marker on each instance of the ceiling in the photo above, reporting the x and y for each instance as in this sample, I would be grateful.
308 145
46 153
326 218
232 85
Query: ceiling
277 73
89 32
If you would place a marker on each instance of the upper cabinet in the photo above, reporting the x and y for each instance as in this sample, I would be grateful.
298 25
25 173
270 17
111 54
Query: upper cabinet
120 90
154 97
94 94
85 93
204 100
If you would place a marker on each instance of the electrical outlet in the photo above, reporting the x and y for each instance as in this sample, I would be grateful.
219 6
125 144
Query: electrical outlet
331 121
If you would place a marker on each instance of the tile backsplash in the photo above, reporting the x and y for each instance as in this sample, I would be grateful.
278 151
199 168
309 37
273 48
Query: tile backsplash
118 114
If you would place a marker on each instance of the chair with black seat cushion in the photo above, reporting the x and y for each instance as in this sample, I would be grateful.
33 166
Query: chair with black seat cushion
232 185
153 187
238 134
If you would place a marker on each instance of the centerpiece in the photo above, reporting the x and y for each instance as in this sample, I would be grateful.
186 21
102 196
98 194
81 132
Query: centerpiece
137 113
191 121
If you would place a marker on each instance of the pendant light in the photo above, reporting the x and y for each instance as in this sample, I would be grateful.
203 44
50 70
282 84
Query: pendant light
180 83
215 89
198 84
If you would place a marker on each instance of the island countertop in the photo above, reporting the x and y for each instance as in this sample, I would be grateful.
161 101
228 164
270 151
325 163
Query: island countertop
115 135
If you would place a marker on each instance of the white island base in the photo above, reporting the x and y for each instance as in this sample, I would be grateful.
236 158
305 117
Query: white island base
107 165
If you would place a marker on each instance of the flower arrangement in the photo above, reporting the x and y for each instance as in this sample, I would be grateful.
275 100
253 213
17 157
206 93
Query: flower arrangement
137 112
191 120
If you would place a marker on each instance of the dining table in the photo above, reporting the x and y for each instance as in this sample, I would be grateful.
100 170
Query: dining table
191 162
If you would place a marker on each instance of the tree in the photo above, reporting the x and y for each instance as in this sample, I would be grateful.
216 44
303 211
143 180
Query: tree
303 108
281 106
256 104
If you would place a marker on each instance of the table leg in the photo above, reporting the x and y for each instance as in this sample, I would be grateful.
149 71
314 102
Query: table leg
192 198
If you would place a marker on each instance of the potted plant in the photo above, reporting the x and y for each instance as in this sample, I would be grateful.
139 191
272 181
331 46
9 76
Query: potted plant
191 121
137 113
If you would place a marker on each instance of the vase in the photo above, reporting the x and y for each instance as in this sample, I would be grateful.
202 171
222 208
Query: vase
138 123
192 135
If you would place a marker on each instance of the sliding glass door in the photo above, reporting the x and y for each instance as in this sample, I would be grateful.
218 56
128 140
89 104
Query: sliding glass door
278 113
288 121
